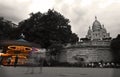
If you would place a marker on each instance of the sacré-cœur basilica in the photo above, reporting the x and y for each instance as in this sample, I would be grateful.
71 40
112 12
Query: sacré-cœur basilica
95 47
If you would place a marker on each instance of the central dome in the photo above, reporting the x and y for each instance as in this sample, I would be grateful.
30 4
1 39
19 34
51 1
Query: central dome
96 25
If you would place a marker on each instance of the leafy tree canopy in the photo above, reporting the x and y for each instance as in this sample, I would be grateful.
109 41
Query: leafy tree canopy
7 29
115 46
47 29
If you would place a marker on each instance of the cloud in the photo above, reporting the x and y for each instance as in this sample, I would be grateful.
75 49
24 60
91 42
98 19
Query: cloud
14 10
82 12
72 11
41 5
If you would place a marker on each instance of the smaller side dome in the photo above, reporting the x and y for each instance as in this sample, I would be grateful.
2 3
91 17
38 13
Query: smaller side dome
89 31
103 29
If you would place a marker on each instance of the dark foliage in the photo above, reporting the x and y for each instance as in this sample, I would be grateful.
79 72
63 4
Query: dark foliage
115 46
47 29
8 29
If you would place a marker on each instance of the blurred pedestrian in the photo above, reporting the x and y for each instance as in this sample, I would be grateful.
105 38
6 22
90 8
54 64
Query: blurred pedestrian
35 58
9 60
16 61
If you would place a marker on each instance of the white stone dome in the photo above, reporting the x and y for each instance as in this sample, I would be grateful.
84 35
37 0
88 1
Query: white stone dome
96 25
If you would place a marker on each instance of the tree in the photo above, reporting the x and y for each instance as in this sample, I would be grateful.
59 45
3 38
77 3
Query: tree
47 29
115 46
7 29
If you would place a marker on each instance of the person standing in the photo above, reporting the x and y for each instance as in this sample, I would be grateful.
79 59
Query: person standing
9 60
16 61
0 61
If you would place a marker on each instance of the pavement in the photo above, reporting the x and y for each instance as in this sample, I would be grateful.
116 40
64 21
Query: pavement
59 72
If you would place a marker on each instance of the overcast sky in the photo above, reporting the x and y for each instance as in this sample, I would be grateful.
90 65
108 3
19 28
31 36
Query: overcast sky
80 12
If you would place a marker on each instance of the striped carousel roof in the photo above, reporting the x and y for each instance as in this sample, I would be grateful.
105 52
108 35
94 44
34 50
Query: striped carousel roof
19 42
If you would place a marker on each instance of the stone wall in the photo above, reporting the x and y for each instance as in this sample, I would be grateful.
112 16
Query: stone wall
88 54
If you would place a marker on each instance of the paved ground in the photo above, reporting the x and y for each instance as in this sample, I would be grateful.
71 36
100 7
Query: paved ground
60 72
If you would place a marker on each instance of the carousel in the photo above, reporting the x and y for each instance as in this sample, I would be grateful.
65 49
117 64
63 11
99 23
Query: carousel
15 52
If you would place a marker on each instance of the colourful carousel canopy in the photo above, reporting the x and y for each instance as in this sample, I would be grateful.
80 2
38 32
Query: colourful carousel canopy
19 42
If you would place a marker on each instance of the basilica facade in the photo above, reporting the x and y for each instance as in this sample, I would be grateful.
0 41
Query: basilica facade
95 47
98 31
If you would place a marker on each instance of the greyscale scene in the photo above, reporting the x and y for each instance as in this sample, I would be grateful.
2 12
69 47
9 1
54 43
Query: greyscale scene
59 38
